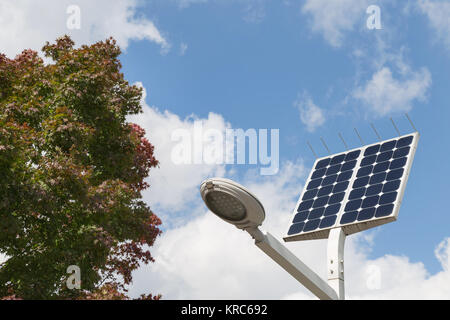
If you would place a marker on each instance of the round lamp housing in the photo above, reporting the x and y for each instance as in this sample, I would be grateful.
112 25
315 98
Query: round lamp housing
232 203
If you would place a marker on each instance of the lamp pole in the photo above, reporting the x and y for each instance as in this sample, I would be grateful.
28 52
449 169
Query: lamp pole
335 262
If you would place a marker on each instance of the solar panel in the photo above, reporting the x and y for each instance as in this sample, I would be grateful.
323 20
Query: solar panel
355 190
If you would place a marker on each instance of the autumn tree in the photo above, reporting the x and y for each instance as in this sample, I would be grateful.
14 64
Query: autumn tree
71 174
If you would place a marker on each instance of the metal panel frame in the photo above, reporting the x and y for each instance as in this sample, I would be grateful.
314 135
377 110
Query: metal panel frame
356 226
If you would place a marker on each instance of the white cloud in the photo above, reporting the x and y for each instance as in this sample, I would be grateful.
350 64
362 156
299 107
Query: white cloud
399 277
383 94
186 3
200 256
203 257
173 186
332 18
29 24
209 259
442 252
438 13
310 114
255 11
386 82
183 48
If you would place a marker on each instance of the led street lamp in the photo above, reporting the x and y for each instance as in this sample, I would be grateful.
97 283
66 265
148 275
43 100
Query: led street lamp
232 203
236 205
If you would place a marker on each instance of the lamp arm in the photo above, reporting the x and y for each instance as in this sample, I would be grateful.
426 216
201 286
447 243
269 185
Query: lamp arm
293 265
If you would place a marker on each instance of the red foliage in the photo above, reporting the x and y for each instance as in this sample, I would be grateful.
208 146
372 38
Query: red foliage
144 159
71 174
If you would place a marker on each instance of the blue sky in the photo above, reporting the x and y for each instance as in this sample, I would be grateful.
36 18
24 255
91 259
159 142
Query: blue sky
309 68
252 72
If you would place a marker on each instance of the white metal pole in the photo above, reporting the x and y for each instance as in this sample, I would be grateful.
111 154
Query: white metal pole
293 265
335 263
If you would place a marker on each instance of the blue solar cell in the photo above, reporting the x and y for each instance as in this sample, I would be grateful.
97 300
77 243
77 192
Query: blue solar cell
398 163
357 193
366 214
352 155
348 165
344 176
388 198
305 205
311 225
364 171
377 178
399 153
388 146
333 169
316 213
395 174
296 228
361 182
318 173
403 142
300 216
372 150
385 156
391 186
368 160
329 180
373 190
332 210
383 166
349 217
384 211
340 187
370 202
314 184
323 163
310 194
353 205
325 191
320 202
336 198
327 222
337 159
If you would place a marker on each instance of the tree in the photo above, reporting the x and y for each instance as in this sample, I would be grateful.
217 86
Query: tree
71 174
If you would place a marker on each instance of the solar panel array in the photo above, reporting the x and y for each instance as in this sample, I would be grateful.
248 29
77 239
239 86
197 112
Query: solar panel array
356 190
